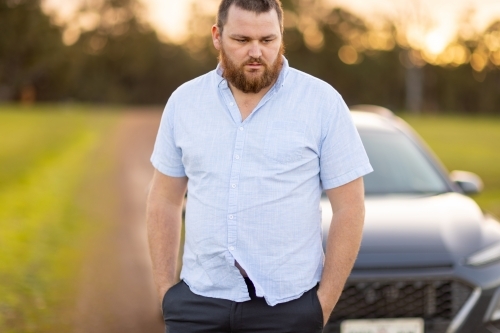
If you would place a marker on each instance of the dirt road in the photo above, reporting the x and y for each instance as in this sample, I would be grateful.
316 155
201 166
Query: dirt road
117 292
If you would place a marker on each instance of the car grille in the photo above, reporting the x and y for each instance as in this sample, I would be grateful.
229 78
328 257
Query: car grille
436 301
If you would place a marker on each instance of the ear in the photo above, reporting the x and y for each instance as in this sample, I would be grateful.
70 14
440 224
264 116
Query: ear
216 37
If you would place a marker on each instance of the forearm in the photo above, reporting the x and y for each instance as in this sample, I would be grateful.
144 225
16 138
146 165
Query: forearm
164 232
343 244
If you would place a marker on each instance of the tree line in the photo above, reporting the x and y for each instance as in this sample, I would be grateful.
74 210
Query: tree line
118 58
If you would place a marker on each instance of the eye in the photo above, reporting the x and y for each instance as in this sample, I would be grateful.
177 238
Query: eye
267 41
241 40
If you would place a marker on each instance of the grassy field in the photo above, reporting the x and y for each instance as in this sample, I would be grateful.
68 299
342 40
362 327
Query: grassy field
50 159
469 144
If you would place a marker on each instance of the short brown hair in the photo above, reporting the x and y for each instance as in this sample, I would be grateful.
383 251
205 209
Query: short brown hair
256 6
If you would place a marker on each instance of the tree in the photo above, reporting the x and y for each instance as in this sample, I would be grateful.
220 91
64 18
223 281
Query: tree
119 59
32 55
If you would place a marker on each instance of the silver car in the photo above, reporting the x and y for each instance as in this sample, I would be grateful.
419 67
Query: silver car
430 258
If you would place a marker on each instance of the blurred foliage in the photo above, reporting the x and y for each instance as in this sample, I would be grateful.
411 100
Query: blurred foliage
31 52
47 212
110 55
121 59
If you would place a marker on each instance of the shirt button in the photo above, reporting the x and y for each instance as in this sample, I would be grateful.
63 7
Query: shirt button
231 248
237 157
231 104
241 128
231 217
233 186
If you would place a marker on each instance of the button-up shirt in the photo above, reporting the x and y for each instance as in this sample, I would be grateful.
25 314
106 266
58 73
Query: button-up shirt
254 185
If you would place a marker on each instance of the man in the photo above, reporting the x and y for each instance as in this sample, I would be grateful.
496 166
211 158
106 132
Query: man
254 142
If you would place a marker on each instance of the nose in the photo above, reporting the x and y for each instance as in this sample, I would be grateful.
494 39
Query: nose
255 51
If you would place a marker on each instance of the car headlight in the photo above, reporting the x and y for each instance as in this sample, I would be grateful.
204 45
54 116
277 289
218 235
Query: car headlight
484 256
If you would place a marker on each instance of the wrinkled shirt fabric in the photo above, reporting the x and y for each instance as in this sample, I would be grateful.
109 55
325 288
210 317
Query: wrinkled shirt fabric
254 186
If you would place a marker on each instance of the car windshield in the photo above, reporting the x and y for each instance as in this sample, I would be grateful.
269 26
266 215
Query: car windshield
399 166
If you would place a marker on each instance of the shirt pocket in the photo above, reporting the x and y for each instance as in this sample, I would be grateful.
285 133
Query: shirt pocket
285 141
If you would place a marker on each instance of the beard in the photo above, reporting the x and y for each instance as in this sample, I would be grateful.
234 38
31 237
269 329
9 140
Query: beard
251 82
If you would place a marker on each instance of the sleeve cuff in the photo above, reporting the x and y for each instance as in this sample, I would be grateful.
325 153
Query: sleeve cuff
168 171
347 177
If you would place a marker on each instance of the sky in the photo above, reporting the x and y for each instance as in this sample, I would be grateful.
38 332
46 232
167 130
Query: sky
169 16
445 14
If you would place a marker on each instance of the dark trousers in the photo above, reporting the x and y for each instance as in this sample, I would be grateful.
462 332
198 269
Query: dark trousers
186 312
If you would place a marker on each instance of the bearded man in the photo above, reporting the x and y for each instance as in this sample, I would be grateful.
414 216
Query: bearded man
254 143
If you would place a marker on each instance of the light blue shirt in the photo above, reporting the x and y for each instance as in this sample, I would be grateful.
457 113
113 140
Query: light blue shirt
254 186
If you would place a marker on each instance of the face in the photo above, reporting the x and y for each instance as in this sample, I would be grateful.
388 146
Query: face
250 49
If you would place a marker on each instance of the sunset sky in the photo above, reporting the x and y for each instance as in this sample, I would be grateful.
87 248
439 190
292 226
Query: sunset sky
169 16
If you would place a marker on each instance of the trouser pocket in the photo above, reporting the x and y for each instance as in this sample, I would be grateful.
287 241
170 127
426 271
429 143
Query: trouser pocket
167 296
185 311
317 304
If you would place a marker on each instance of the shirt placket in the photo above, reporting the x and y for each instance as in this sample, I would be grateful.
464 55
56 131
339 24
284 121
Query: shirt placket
232 211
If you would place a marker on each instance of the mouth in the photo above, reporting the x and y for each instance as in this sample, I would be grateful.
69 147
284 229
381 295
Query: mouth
254 64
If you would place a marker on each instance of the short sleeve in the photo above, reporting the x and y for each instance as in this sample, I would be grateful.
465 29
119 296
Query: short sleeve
342 155
167 156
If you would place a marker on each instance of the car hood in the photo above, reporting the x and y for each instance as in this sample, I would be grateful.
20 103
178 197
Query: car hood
411 231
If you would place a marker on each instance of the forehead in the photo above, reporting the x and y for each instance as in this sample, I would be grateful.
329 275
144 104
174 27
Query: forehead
247 23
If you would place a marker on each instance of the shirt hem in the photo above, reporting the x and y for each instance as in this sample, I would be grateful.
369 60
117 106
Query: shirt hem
273 302
194 291
290 298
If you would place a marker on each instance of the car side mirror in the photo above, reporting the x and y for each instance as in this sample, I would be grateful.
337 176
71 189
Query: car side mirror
469 182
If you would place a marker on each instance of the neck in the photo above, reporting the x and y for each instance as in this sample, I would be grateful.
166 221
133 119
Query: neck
247 102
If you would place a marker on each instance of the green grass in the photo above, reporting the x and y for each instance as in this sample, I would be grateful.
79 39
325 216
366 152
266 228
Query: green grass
48 158
466 143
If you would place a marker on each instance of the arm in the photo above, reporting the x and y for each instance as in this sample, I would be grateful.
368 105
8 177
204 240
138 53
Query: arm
343 244
164 223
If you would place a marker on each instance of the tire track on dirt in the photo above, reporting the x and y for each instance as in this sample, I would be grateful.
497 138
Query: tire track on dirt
117 292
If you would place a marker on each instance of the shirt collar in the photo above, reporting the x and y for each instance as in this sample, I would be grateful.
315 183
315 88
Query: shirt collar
280 82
